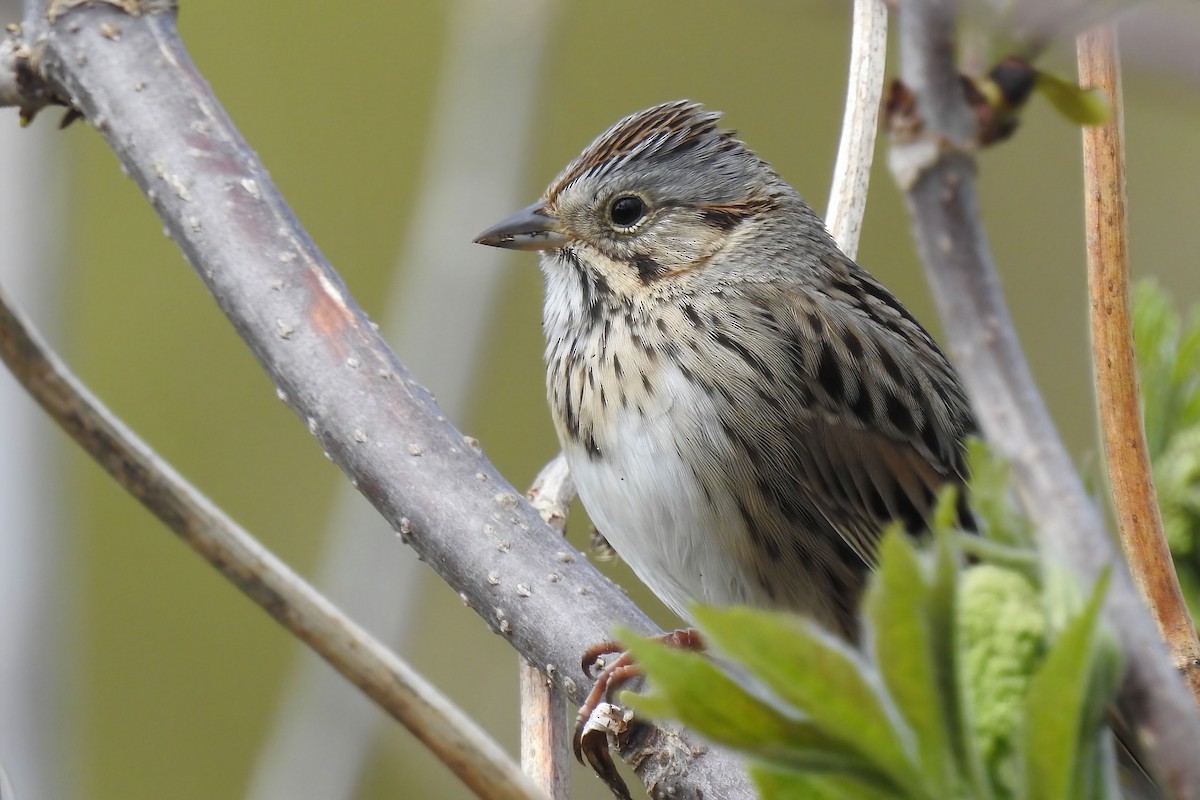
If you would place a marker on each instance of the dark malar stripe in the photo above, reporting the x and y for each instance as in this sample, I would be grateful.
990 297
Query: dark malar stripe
594 290
647 268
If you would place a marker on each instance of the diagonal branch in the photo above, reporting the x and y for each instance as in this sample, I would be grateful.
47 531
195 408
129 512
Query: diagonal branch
942 200
1126 455
133 81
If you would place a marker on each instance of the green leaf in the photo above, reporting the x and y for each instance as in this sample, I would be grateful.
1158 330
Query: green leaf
945 510
1081 106
1064 706
687 687
910 639
1097 772
944 613
819 675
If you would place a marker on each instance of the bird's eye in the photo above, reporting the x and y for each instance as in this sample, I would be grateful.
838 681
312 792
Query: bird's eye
627 211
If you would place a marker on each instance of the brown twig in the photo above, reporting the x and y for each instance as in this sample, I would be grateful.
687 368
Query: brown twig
552 492
1128 460
939 183
545 736
545 742
391 683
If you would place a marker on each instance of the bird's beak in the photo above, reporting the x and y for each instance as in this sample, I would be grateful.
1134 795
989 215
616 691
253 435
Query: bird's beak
531 228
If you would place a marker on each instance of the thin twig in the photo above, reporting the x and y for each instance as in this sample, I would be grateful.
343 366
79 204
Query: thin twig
545 735
133 80
394 686
1129 470
856 148
545 740
552 492
939 183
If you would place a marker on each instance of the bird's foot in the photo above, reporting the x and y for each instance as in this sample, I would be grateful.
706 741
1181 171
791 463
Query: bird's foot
599 719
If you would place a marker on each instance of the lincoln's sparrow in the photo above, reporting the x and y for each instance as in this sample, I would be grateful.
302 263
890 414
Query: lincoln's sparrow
742 406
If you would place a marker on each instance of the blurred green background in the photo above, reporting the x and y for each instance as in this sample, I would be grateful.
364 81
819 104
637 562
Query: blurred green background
172 677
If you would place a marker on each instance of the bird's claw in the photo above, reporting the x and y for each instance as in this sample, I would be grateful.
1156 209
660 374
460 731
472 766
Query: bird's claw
609 676
594 740
600 723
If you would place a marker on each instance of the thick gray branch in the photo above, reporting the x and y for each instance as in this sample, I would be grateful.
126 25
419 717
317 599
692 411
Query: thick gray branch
954 248
132 79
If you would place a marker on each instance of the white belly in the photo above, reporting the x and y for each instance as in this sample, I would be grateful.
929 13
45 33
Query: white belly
644 497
